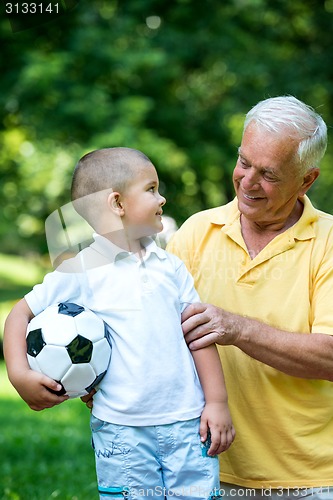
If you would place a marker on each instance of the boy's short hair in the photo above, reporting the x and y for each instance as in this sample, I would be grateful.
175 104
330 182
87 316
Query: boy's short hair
105 168
100 172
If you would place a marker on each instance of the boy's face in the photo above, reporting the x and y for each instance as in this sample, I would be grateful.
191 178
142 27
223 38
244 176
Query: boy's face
142 204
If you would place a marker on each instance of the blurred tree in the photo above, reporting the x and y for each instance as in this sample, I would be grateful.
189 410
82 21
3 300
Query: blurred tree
172 78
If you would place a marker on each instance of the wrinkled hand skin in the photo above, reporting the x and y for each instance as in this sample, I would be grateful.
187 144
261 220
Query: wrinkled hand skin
205 324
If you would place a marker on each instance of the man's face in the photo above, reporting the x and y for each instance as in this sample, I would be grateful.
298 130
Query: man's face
266 177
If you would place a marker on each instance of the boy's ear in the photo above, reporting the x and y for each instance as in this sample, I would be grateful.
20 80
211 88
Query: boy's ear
115 204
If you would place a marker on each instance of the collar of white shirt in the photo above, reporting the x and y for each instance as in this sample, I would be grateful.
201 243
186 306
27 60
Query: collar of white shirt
113 253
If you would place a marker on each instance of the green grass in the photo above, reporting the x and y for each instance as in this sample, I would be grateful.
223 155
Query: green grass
17 277
44 455
18 274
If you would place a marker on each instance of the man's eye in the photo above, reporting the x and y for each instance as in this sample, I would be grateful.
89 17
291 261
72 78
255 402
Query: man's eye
270 177
243 162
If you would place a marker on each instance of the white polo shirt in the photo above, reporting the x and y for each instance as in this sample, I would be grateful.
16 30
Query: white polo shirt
151 379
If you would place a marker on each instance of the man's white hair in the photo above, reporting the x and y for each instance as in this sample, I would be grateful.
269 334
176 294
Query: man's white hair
288 115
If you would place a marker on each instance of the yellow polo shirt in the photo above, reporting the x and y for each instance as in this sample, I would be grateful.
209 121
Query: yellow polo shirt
284 424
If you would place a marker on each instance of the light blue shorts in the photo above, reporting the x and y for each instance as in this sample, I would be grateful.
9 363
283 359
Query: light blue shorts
160 462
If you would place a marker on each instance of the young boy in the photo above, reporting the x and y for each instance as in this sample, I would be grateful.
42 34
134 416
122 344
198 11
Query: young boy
151 415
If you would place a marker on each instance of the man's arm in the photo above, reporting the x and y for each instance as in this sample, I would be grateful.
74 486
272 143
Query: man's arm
215 416
297 354
31 385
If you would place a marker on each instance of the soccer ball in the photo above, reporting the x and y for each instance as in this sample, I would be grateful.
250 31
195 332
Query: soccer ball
69 343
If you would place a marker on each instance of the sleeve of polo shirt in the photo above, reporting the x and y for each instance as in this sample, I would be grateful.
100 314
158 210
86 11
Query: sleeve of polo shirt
180 243
187 293
56 287
321 295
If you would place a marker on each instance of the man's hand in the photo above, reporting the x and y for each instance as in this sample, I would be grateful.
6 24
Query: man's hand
205 324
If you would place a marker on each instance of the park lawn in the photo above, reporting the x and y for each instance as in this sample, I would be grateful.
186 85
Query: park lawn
17 276
44 455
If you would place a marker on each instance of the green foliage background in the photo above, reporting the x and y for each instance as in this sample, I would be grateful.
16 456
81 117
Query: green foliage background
172 78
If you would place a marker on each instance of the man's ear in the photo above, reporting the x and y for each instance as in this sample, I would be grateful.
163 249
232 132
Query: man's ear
115 204
308 179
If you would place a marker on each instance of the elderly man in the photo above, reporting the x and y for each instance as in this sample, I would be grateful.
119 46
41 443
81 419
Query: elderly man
264 263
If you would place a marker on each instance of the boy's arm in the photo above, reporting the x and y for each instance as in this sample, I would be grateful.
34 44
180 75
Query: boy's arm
31 385
215 417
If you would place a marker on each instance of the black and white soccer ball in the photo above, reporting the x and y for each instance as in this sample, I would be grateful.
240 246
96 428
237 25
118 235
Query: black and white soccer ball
69 343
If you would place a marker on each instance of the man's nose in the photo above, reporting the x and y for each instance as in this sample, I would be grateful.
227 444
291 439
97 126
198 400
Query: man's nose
250 179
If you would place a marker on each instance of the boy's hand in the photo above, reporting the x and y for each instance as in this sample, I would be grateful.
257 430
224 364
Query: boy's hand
88 399
34 387
216 419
